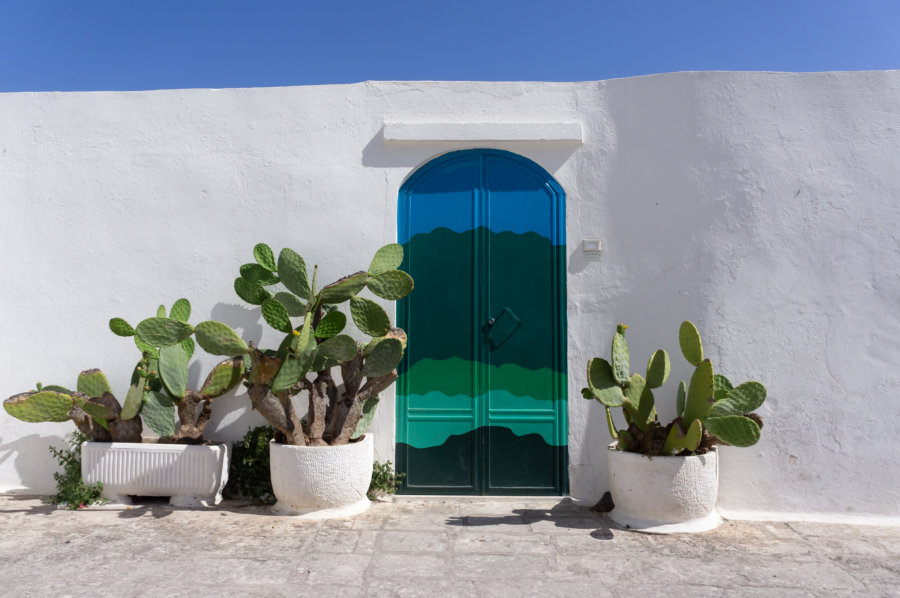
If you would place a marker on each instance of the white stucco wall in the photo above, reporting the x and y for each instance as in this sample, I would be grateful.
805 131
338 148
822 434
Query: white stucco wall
761 206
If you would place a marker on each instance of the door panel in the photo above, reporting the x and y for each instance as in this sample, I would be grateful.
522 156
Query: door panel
481 403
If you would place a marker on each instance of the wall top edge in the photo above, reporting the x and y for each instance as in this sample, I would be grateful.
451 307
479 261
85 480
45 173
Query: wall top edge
462 83
398 131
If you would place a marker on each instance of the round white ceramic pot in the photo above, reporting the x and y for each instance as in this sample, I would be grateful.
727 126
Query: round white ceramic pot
322 482
664 494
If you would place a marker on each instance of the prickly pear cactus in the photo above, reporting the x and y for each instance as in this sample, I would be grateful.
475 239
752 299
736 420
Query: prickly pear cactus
709 409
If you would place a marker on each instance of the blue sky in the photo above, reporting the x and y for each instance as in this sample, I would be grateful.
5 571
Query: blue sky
62 45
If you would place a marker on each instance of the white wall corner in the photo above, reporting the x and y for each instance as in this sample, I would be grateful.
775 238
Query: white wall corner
398 131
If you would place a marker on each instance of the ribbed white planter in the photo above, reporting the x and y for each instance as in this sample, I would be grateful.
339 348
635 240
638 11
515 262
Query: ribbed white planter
321 482
664 494
190 475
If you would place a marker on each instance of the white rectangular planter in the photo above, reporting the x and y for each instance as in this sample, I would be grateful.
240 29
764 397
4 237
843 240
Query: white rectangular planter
190 475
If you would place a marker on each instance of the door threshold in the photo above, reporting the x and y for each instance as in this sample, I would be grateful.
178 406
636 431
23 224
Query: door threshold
458 498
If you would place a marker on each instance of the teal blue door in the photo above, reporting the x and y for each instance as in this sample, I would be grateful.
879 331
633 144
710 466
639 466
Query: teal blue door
481 399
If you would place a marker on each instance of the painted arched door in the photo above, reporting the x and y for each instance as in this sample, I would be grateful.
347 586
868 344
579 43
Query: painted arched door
481 400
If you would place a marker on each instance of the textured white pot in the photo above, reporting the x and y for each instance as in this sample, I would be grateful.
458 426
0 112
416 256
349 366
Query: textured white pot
664 494
190 475
321 482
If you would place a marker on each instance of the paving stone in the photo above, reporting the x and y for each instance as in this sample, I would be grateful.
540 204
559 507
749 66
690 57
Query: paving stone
405 566
404 541
326 568
422 588
494 543
568 525
509 523
557 588
872 572
335 540
494 566
601 540
367 542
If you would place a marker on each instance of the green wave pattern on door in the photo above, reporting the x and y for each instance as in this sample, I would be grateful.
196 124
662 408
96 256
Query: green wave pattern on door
482 393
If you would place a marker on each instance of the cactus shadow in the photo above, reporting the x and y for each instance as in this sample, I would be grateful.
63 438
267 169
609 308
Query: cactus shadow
32 461
565 515
42 509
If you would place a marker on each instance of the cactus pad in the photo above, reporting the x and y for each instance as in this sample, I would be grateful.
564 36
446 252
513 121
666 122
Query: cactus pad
735 430
321 363
162 332
620 360
43 406
217 338
276 315
296 364
99 413
181 310
93 383
700 393
159 413
188 346
611 425
680 398
145 348
678 440
250 292
689 340
391 285
368 415
602 384
173 369
258 275
291 370
292 270
383 359
745 398
331 325
223 377
135 396
120 327
369 317
340 348
639 398
658 369
343 289
161 311
291 303
263 255
387 258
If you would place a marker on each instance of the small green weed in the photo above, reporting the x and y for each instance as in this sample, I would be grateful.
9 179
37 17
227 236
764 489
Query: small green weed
384 480
71 491
249 474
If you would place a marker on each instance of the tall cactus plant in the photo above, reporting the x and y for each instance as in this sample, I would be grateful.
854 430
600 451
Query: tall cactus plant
313 321
710 410
159 383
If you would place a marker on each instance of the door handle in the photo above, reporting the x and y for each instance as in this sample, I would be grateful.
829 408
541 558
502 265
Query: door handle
504 331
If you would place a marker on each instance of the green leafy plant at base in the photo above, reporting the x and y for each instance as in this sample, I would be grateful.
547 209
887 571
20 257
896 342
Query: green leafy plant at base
248 474
71 491
384 480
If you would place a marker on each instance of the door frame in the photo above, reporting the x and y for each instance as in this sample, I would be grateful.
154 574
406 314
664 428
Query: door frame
559 294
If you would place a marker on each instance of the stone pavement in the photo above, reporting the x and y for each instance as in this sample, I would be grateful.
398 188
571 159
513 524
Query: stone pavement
444 548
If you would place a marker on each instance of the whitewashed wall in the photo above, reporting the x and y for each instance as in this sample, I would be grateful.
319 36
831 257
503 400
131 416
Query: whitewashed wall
761 206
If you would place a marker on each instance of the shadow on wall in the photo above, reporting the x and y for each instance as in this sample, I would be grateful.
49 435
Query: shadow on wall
33 462
242 319
551 155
